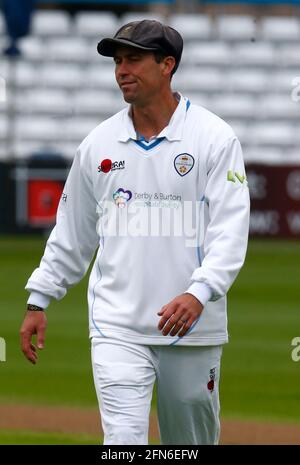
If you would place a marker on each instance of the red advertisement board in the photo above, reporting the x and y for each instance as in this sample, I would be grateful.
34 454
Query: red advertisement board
275 200
37 194
274 192
43 198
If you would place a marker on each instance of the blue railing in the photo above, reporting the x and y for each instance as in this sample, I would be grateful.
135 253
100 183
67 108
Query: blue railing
255 2
140 2
104 2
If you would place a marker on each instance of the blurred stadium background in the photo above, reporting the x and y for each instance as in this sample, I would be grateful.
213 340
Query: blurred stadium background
241 60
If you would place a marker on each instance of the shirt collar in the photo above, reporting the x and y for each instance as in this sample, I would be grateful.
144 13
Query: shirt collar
172 132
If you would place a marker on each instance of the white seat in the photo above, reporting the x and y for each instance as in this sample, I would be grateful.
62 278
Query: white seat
101 77
3 92
62 75
2 25
33 48
248 81
274 106
236 27
192 27
240 129
69 49
38 129
76 129
198 79
254 54
289 56
4 68
283 81
25 149
295 94
27 74
68 149
208 53
3 106
297 136
94 57
184 59
262 155
3 127
51 23
100 103
292 156
280 29
44 101
96 24
234 106
139 16
198 98
277 134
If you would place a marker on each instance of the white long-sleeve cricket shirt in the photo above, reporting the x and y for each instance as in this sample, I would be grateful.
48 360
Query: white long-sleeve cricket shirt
169 216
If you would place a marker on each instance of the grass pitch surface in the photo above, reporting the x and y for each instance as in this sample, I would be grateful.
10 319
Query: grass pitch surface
258 379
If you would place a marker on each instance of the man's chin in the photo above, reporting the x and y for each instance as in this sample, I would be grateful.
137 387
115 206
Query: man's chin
129 98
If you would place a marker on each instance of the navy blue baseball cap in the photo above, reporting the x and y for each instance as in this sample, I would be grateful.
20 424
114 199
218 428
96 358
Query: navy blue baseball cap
148 35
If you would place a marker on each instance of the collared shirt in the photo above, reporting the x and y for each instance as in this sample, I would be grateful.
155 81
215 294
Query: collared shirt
179 210
172 132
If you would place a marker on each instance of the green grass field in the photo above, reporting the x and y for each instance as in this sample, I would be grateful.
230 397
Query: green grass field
259 379
35 438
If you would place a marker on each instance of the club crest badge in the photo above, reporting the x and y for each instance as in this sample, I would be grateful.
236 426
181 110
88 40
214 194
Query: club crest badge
184 163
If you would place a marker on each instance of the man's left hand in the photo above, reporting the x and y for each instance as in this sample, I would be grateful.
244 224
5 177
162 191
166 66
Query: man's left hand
179 315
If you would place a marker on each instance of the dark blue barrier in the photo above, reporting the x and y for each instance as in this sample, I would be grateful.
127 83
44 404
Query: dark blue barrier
17 15
104 2
252 2
140 2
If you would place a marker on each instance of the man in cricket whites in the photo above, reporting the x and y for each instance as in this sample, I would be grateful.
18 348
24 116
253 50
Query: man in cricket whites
160 191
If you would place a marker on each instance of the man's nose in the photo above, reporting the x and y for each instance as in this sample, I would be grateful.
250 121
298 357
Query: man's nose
121 69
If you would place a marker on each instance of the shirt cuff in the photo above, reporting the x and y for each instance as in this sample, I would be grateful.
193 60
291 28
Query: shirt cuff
39 299
201 291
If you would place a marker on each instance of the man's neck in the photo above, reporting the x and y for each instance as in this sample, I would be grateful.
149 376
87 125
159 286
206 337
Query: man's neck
151 119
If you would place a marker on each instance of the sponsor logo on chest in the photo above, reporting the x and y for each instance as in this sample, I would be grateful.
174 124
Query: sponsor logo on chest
121 197
107 165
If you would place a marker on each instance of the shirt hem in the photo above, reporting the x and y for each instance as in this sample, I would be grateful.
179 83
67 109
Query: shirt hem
159 340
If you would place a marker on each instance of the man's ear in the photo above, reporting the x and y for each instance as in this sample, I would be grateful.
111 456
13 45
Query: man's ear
168 65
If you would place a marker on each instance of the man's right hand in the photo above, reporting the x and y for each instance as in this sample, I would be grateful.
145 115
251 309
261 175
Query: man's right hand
34 323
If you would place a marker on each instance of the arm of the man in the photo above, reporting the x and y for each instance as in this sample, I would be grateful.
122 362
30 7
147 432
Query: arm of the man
225 241
68 253
35 322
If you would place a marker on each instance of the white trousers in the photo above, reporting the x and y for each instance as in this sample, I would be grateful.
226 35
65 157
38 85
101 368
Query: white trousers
187 389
